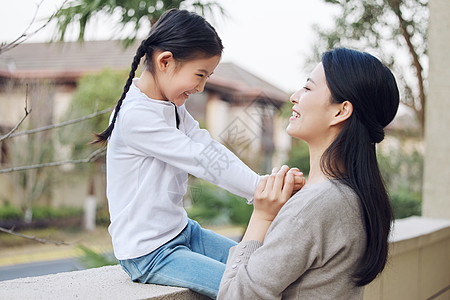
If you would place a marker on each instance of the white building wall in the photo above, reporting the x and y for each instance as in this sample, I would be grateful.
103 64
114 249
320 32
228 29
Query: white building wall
436 189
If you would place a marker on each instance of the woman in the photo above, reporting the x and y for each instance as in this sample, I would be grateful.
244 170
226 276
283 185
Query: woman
331 238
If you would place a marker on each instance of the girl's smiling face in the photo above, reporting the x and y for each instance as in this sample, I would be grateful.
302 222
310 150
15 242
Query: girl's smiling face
313 112
182 79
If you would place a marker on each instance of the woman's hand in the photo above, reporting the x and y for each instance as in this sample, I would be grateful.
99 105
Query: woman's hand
271 194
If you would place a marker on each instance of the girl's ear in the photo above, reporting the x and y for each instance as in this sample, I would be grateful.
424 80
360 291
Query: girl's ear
164 60
343 111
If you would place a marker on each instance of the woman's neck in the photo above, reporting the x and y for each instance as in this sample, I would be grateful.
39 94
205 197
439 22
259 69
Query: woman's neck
316 174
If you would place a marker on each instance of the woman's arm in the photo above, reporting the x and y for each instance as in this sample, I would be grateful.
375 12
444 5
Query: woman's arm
270 195
264 264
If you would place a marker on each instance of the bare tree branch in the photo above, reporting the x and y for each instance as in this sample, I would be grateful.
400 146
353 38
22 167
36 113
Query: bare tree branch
25 35
395 5
34 238
92 157
62 124
27 112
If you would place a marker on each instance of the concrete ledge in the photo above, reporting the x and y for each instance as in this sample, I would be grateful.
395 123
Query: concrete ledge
417 232
419 262
101 283
418 268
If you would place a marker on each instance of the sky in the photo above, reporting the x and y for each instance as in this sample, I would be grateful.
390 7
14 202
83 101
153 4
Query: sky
269 38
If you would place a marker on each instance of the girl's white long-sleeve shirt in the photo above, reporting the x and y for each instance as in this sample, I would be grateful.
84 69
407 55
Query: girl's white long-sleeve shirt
148 161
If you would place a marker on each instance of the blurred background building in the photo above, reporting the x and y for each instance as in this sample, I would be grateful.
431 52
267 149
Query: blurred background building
238 108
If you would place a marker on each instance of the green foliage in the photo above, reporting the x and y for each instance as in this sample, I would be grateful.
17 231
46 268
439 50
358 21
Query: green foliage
240 211
47 212
102 88
402 170
135 13
98 91
94 259
286 110
406 203
102 217
389 29
212 205
10 212
299 156
95 92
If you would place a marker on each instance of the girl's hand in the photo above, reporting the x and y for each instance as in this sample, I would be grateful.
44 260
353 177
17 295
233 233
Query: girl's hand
299 180
273 191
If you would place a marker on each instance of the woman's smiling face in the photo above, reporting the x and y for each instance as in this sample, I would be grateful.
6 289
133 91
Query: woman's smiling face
312 111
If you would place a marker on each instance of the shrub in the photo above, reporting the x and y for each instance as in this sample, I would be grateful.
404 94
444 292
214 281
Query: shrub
402 170
10 212
299 156
94 259
212 205
47 212
406 203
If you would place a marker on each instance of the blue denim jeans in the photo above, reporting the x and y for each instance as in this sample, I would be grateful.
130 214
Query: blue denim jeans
195 259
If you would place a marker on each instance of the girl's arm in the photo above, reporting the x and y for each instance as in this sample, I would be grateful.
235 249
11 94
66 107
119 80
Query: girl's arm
146 132
201 135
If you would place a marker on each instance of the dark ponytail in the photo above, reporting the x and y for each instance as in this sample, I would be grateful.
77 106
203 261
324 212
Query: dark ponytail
185 34
370 86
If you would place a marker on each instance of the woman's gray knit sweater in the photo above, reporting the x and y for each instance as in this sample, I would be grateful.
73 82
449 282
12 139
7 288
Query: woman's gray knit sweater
310 251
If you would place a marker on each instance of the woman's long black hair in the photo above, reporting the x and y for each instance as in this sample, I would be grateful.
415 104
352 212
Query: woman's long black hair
363 80
185 34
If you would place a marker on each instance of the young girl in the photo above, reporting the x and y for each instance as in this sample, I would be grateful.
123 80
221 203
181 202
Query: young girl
331 238
153 143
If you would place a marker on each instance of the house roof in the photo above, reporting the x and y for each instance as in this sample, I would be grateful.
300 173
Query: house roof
231 79
69 60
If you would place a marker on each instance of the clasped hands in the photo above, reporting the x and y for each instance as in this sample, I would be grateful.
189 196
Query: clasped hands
274 190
